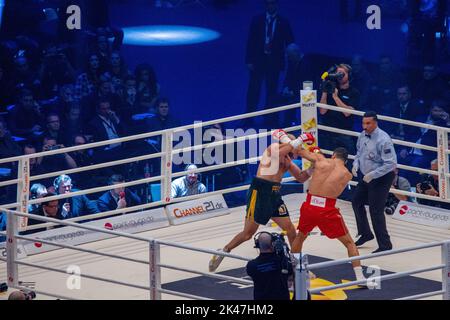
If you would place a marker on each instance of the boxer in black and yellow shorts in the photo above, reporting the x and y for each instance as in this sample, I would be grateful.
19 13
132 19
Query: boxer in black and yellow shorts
264 201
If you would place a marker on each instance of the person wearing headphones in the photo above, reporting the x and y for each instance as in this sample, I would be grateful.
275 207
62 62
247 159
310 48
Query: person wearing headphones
188 185
344 96
270 278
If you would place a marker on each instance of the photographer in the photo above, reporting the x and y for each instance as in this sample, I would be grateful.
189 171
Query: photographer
336 91
429 186
399 183
55 162
271 270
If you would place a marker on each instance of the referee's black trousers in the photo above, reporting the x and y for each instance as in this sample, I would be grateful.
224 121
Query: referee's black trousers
375 195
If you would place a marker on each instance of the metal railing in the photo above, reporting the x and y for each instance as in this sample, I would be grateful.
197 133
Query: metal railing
166 155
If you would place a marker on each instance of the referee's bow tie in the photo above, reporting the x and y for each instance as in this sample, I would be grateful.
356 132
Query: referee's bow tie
368 136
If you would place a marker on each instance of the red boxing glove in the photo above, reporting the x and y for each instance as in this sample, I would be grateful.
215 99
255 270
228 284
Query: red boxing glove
307 138
314 150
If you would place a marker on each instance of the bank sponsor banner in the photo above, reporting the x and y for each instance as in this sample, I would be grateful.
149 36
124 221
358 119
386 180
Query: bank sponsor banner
420 214
129 223
195 210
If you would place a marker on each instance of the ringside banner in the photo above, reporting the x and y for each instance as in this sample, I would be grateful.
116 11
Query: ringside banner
130 223
420 214
199 209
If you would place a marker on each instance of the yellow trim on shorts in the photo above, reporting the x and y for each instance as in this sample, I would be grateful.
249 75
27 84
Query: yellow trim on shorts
251 209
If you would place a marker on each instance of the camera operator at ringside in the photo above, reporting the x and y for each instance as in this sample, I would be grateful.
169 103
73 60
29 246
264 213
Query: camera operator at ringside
337 91
272 270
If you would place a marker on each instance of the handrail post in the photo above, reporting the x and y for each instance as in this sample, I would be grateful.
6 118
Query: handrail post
301 277
308 112
155 270
12 268
442 147
446 270
166 166
23 191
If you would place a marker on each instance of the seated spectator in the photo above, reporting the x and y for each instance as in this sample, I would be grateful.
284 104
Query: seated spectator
49 209
64 101
382 89
37 191
361 79
72 123
188 185
87 82
129 104
55 162
53 128
24 120
55 71
421 158
106 125
147 85
118 67
163 119
83 158
8 147
35 163
23 74
399 183
117 198
75 206
432 86
429 185
404 108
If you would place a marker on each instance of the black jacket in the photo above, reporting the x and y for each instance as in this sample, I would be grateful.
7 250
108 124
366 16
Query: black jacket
98 131
269 281
107 202
282 37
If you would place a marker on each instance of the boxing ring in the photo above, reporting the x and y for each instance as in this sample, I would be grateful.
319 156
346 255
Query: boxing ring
153 249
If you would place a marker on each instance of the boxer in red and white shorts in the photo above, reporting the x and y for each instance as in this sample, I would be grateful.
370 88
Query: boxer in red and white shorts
329 179
321 212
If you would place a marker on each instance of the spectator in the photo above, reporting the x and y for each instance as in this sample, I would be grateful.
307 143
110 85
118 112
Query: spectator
72 123
106 125
74 206
147 85
117 198
399 183
8 147
361 79
87 82
35 163
432 86
118 67
188 185
104 47
83 158
163 119
270 281
64 101
57 162
53 128
344 96
429 185
23 74
24 119
37 191
55 72
49 209
382 90
129 104
421 158
404 108
268 38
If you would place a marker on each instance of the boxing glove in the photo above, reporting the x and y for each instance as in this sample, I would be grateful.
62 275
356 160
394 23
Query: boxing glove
281 135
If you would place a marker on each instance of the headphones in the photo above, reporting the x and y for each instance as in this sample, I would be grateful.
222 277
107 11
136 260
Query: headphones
255 238
349 70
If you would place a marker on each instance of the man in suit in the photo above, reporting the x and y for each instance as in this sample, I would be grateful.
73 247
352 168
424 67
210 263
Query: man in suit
269 36
106 125
49 209
74 206
117 198
407 109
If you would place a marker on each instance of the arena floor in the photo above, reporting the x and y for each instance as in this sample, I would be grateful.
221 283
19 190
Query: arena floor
212 234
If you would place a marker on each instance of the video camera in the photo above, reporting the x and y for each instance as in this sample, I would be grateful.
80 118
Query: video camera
330 80
280 248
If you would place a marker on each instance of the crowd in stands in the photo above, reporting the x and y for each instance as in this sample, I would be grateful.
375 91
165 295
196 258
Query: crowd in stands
48 101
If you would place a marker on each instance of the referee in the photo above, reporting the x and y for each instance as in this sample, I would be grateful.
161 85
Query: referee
374 167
